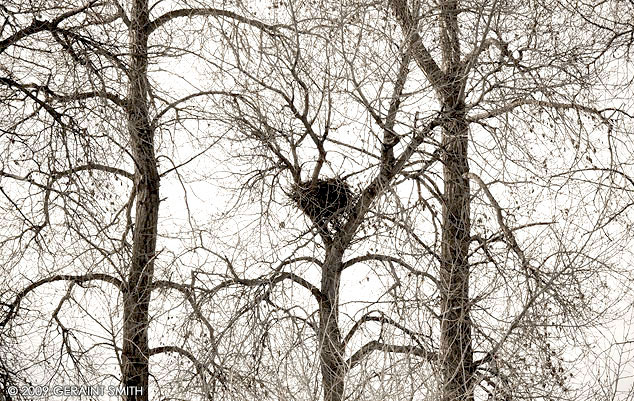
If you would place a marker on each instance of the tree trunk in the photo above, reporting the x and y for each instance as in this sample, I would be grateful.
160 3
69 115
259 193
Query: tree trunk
136 301
455 338
456 352
331 350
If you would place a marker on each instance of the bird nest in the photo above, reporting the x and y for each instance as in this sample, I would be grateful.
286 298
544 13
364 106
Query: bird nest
324 201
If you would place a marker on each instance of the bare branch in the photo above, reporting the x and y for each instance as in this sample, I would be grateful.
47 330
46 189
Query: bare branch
78 279
387 172
422 56
210 12
383 319
510 237
508 108
374 345
387 258
40 26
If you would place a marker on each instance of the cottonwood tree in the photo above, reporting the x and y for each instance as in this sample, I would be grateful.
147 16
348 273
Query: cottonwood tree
97 114
467 155
458 156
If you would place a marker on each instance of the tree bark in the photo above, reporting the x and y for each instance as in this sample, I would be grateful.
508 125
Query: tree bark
456 352
331 347
135 353
455 337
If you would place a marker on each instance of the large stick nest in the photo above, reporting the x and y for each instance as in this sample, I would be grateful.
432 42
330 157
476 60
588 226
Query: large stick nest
324 201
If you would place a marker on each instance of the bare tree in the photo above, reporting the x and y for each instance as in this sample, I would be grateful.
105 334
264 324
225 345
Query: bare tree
444 182
89 120
452 142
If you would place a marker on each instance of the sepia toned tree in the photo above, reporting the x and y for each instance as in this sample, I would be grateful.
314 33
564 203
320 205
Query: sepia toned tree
97 115
384 200
469 158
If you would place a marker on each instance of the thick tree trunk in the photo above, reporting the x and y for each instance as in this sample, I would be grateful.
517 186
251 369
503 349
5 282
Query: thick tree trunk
135 352
331 350
456 352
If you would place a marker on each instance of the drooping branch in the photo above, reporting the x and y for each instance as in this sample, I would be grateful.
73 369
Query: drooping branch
66 333
57 116
278 279
270 280
41 26
483 242
374 345
48 187
94 166
60 174
520 317
72 97
387 258
77 279
173 105
383 319
188 292
211 12
510 107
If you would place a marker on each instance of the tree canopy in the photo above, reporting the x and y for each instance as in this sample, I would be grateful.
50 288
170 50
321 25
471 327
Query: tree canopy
317 200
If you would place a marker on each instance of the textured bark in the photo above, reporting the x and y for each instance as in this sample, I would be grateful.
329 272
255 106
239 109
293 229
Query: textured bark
455 336
456 352
331 347
135 352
